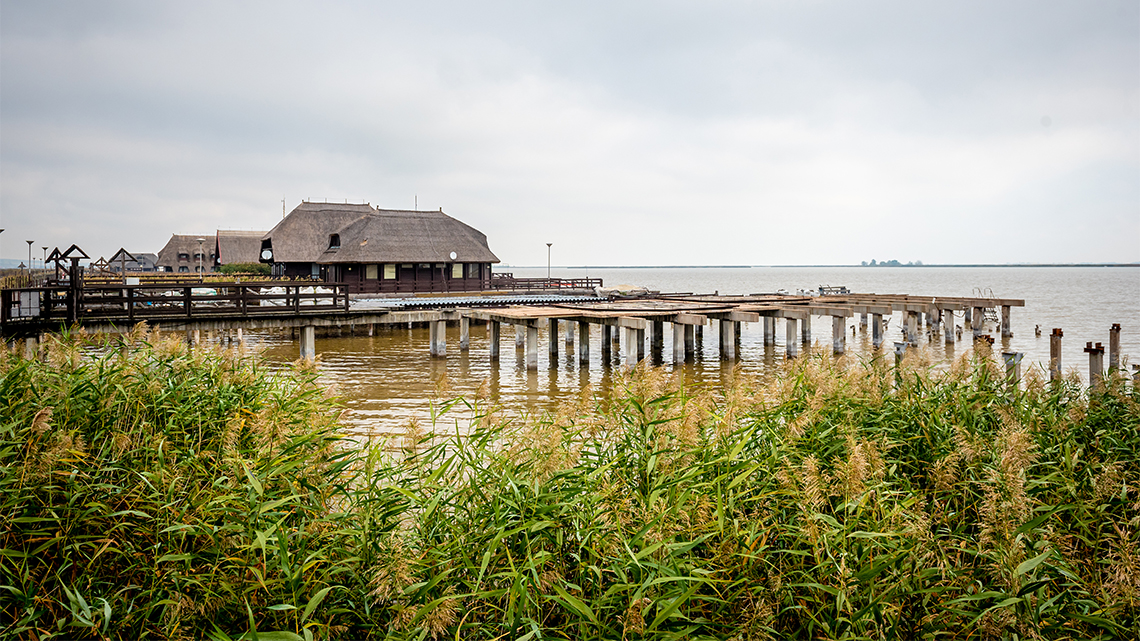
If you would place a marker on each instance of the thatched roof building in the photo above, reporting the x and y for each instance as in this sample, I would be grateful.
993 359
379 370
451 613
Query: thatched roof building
182 251
235 246
379 249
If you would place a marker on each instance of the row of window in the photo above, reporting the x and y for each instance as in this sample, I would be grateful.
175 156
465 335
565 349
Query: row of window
388 271
184 256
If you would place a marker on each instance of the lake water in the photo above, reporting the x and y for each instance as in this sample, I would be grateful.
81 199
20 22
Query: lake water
389 378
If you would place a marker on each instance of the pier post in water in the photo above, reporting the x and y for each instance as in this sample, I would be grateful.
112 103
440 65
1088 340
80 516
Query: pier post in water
700 335
520 336
494 330
1055 354
863 322
531 347
769 330
948 326
607 342
900 353
838 335
727 341
639 336
678 343
912 327
1012 366
30 347
876 330
630 347
791 348
690 341
656 340
1096 365
437 338
308 343
569 334
805 330
553 346
1006 326
968 317
1114 347
583 343
979 321
464 333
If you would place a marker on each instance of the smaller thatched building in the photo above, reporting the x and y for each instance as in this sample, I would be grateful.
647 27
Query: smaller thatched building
379 250
183 251
234 246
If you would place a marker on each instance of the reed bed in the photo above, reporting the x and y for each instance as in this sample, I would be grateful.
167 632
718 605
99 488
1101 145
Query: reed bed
150 491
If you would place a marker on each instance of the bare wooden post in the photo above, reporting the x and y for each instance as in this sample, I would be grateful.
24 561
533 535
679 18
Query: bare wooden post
1114 347
1096 365
1055 354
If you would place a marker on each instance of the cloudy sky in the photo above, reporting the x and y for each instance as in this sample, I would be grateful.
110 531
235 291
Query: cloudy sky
623 132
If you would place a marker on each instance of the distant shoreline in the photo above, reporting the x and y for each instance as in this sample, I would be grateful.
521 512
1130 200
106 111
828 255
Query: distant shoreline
785 266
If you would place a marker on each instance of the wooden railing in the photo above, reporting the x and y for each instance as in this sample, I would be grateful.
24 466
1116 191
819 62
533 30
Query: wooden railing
508 281
37 306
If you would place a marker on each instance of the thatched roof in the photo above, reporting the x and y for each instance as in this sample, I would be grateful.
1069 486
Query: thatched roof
235 246
186 244
370 235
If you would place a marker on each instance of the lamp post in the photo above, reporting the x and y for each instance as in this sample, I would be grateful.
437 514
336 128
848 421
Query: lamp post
44 264
1 232
548 260
29 242
200 275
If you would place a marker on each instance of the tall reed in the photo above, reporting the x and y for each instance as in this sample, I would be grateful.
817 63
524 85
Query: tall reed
152 491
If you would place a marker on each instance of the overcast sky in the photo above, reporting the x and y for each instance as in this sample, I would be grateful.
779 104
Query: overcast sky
656 133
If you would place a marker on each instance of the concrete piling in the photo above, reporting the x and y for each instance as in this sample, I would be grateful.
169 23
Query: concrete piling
678 343
876 330
1114 347
1012 366
464 333
979 321
948 322
583 343
553 346
791 348
520 336
569 334
968 317
437 338
727 341
308 343
631 351
838 335
900 352
1096 365
769 330
805 330
912 327
690 341
494 329
639 336
607 342
863 322
1006 325
656 340
31 347
531 353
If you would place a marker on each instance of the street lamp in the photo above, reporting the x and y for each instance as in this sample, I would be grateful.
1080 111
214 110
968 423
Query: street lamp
200 275
45 258
29 242
1 232
548 260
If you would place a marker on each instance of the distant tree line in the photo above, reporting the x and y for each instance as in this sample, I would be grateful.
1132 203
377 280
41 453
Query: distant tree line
892 263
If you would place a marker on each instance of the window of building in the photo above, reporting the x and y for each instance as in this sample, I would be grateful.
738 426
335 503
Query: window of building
334 241
389 272
370 272
457 270
184 268
473 270
183 256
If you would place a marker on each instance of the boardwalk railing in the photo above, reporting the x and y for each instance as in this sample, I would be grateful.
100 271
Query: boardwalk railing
508 281
55 305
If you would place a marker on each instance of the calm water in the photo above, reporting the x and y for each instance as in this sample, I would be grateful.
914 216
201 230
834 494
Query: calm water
388 379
